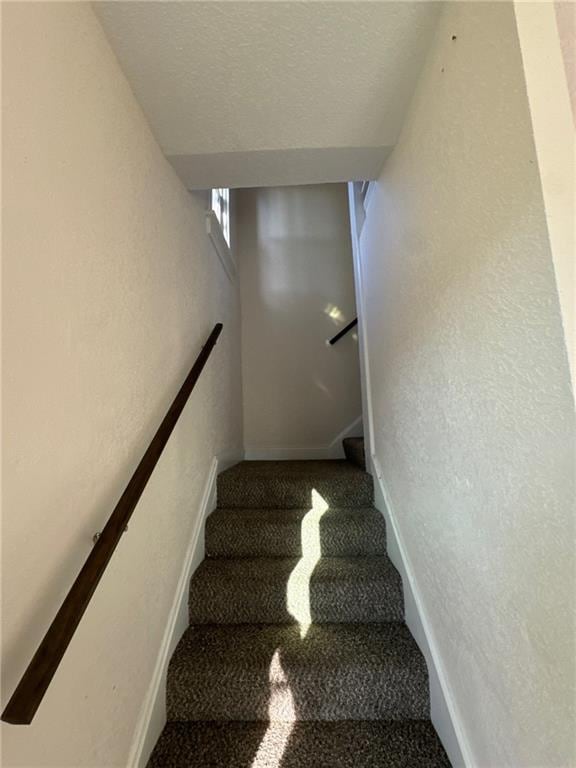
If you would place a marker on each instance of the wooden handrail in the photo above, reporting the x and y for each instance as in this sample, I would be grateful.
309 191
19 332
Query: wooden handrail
31 689
344 331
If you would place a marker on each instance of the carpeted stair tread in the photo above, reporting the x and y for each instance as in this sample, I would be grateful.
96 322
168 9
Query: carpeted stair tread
312 744
335 672
346 532
262 590
247 686
289 484
354 451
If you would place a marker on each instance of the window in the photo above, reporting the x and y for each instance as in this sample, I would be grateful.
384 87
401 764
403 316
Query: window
218 229
221 208
366 189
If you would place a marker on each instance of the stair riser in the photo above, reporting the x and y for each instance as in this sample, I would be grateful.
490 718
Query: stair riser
217 602
354 452
329 694
293 493
223 539
331 672
342 744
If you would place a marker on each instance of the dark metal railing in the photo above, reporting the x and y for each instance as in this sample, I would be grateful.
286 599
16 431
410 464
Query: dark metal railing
344 331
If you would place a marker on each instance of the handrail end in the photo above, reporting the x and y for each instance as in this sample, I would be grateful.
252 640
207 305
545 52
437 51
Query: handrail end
14 718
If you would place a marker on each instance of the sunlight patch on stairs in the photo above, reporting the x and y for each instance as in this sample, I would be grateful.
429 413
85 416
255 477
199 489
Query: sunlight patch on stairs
298 587
282 715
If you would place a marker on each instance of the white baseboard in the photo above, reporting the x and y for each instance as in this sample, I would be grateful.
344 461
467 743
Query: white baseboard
445 714
153 714
227 460
332 450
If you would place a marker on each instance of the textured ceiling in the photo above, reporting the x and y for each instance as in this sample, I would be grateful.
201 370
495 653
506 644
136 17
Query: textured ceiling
281 79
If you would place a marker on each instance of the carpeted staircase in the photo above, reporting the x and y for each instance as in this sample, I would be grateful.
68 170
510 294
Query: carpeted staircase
297 654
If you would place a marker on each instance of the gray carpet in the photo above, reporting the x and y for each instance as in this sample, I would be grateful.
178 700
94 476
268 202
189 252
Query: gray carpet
345 744
253 590
337 672
352 532
250 687
289 484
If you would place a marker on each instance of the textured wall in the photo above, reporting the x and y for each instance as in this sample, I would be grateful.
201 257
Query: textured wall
473 414
110 288
297 286
286 90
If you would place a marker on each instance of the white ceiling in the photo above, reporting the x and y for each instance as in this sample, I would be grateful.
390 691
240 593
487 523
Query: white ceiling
260 93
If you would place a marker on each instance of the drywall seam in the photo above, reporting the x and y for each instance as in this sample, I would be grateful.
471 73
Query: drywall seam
445 713
153 714
331 450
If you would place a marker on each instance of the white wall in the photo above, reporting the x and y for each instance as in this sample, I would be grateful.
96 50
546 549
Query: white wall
547 35
110 288
297 288
469 381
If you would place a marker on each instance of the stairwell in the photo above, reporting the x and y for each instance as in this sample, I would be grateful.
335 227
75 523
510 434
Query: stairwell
297 653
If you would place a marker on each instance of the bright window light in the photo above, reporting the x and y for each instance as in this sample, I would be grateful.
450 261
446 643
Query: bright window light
221 207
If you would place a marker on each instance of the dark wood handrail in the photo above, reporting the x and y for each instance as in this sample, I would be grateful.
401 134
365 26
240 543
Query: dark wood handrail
344 331
31 689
